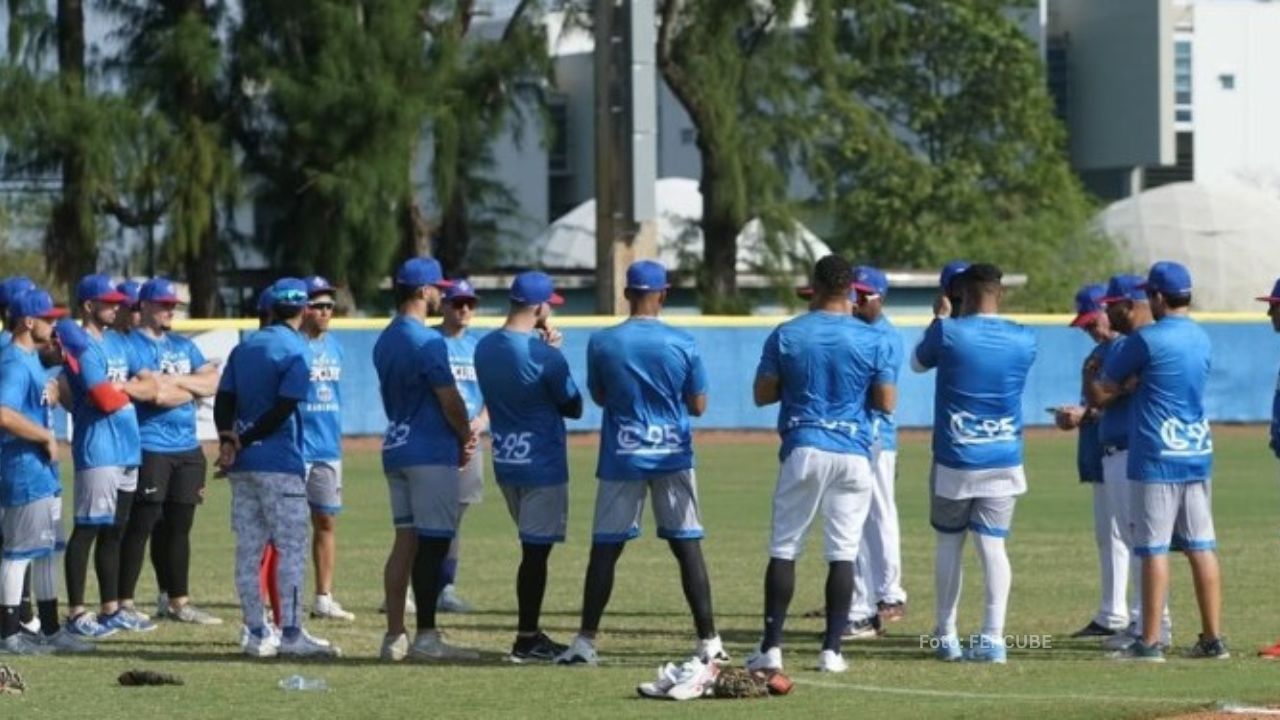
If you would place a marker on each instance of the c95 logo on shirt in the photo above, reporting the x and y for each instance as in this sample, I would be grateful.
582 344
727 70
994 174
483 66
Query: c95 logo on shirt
396 436
969 429
1185 439
636 439
512 448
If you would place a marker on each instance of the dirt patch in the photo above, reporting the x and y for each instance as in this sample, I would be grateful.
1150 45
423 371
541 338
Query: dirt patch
1235 713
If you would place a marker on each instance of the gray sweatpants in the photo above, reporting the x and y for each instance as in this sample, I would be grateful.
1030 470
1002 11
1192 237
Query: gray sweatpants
270 507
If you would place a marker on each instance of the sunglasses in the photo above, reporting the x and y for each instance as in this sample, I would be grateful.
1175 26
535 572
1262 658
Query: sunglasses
322 306
460 304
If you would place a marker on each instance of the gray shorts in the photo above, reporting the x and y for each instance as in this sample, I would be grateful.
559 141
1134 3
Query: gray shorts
425 498
541 512
472 477
94 496
32 531
1176 516
620 506
986 516
324 486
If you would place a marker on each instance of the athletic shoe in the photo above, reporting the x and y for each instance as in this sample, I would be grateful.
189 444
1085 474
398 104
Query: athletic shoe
1122 640
23 644
326 608
429 645
1271 652
32 626
891 611
192 615
581 651
711 650
667 676
135 613
162 606
302 644
124 620
1093 629
86 625
1209 649
947 648
409 605
987 650
693 680
1140 652
538 648
862 629
449 601
832 662
261 643
64 642
394 648
770 659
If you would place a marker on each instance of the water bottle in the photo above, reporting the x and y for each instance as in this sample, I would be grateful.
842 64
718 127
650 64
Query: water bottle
298 682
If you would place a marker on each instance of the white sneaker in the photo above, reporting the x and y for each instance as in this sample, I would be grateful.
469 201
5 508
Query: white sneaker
33 626
64 642
394 649
304 645
582 651
430 645
694 679
770 660
23 644
450 602
326 608
668 675
711 650
832 662
261 646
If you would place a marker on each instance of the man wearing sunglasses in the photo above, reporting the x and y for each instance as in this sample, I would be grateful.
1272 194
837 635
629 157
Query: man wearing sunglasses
322 444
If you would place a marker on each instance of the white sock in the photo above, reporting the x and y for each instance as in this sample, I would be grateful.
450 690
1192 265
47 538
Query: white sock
11 575
44 578
997 579
948 571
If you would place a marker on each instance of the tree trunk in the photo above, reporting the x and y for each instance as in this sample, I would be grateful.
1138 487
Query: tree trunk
202 272
71 244
415 231
718 280
453 236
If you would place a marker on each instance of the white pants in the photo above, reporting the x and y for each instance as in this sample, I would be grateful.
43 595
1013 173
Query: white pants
878 572
270 507
812 481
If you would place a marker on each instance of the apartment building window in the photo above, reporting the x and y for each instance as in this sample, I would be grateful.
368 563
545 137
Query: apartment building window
1182 81
558 153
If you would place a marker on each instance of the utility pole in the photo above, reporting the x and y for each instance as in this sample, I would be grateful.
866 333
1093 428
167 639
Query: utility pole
625 144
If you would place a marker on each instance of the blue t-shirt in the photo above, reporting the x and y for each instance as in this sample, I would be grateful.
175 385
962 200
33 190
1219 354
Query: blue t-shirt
885 428
167 430
1275 420
1117 418
1171 440
6 338
525 381
644 369
1089 442
322 411
271 364
462 360
412 362
826 365
26 475
982 363
101 440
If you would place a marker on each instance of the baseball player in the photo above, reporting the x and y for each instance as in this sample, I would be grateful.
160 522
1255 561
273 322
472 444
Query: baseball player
130 315
649 378
1273 311
877 575
825 368
260 448
982 362
107 450
1170 458
951 295
322 444
460 303
10 289
30 493
527 388
171 479
1113 554
428 439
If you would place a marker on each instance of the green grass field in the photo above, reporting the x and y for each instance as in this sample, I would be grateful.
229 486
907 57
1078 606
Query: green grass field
1054 592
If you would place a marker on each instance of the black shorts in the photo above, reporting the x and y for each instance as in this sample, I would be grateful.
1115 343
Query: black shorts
176 477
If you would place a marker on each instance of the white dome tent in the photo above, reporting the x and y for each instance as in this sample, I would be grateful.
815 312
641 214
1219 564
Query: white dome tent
1226 233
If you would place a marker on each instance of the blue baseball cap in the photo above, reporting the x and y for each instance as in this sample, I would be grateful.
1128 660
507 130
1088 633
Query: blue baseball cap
1088 305
647 276
159 290
534 288
1168 278
317 285
289 292
1274 297
460 290
1124 287
421 271
98 287
264 300
870 281
130 289
950 272
12 287
35 303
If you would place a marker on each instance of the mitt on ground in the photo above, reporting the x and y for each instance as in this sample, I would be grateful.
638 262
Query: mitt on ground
10 681
133 678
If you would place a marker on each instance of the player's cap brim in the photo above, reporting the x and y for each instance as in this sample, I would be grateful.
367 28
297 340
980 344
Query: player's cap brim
864 289
804 292
170 300
115 296
555 299
54 314
443 283
649 288
1087 318
1269 299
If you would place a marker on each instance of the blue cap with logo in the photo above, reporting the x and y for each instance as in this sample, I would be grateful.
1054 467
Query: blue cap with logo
264 300
98 287
1088 305
870 281
1124 287
160 291
289 292
317 285
130 290
460 290
1168 278
534 288
950 272
647 276
1274 297
421 271
12 287
35 303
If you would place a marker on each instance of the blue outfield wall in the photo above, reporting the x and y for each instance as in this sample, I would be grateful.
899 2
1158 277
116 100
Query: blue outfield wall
1245 361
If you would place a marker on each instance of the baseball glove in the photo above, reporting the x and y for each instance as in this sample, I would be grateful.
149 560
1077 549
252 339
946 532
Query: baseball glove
738 683
10 681
135 678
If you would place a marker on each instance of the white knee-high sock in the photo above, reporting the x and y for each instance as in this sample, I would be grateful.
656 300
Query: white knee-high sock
44 578
997 578
12 573
948 571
